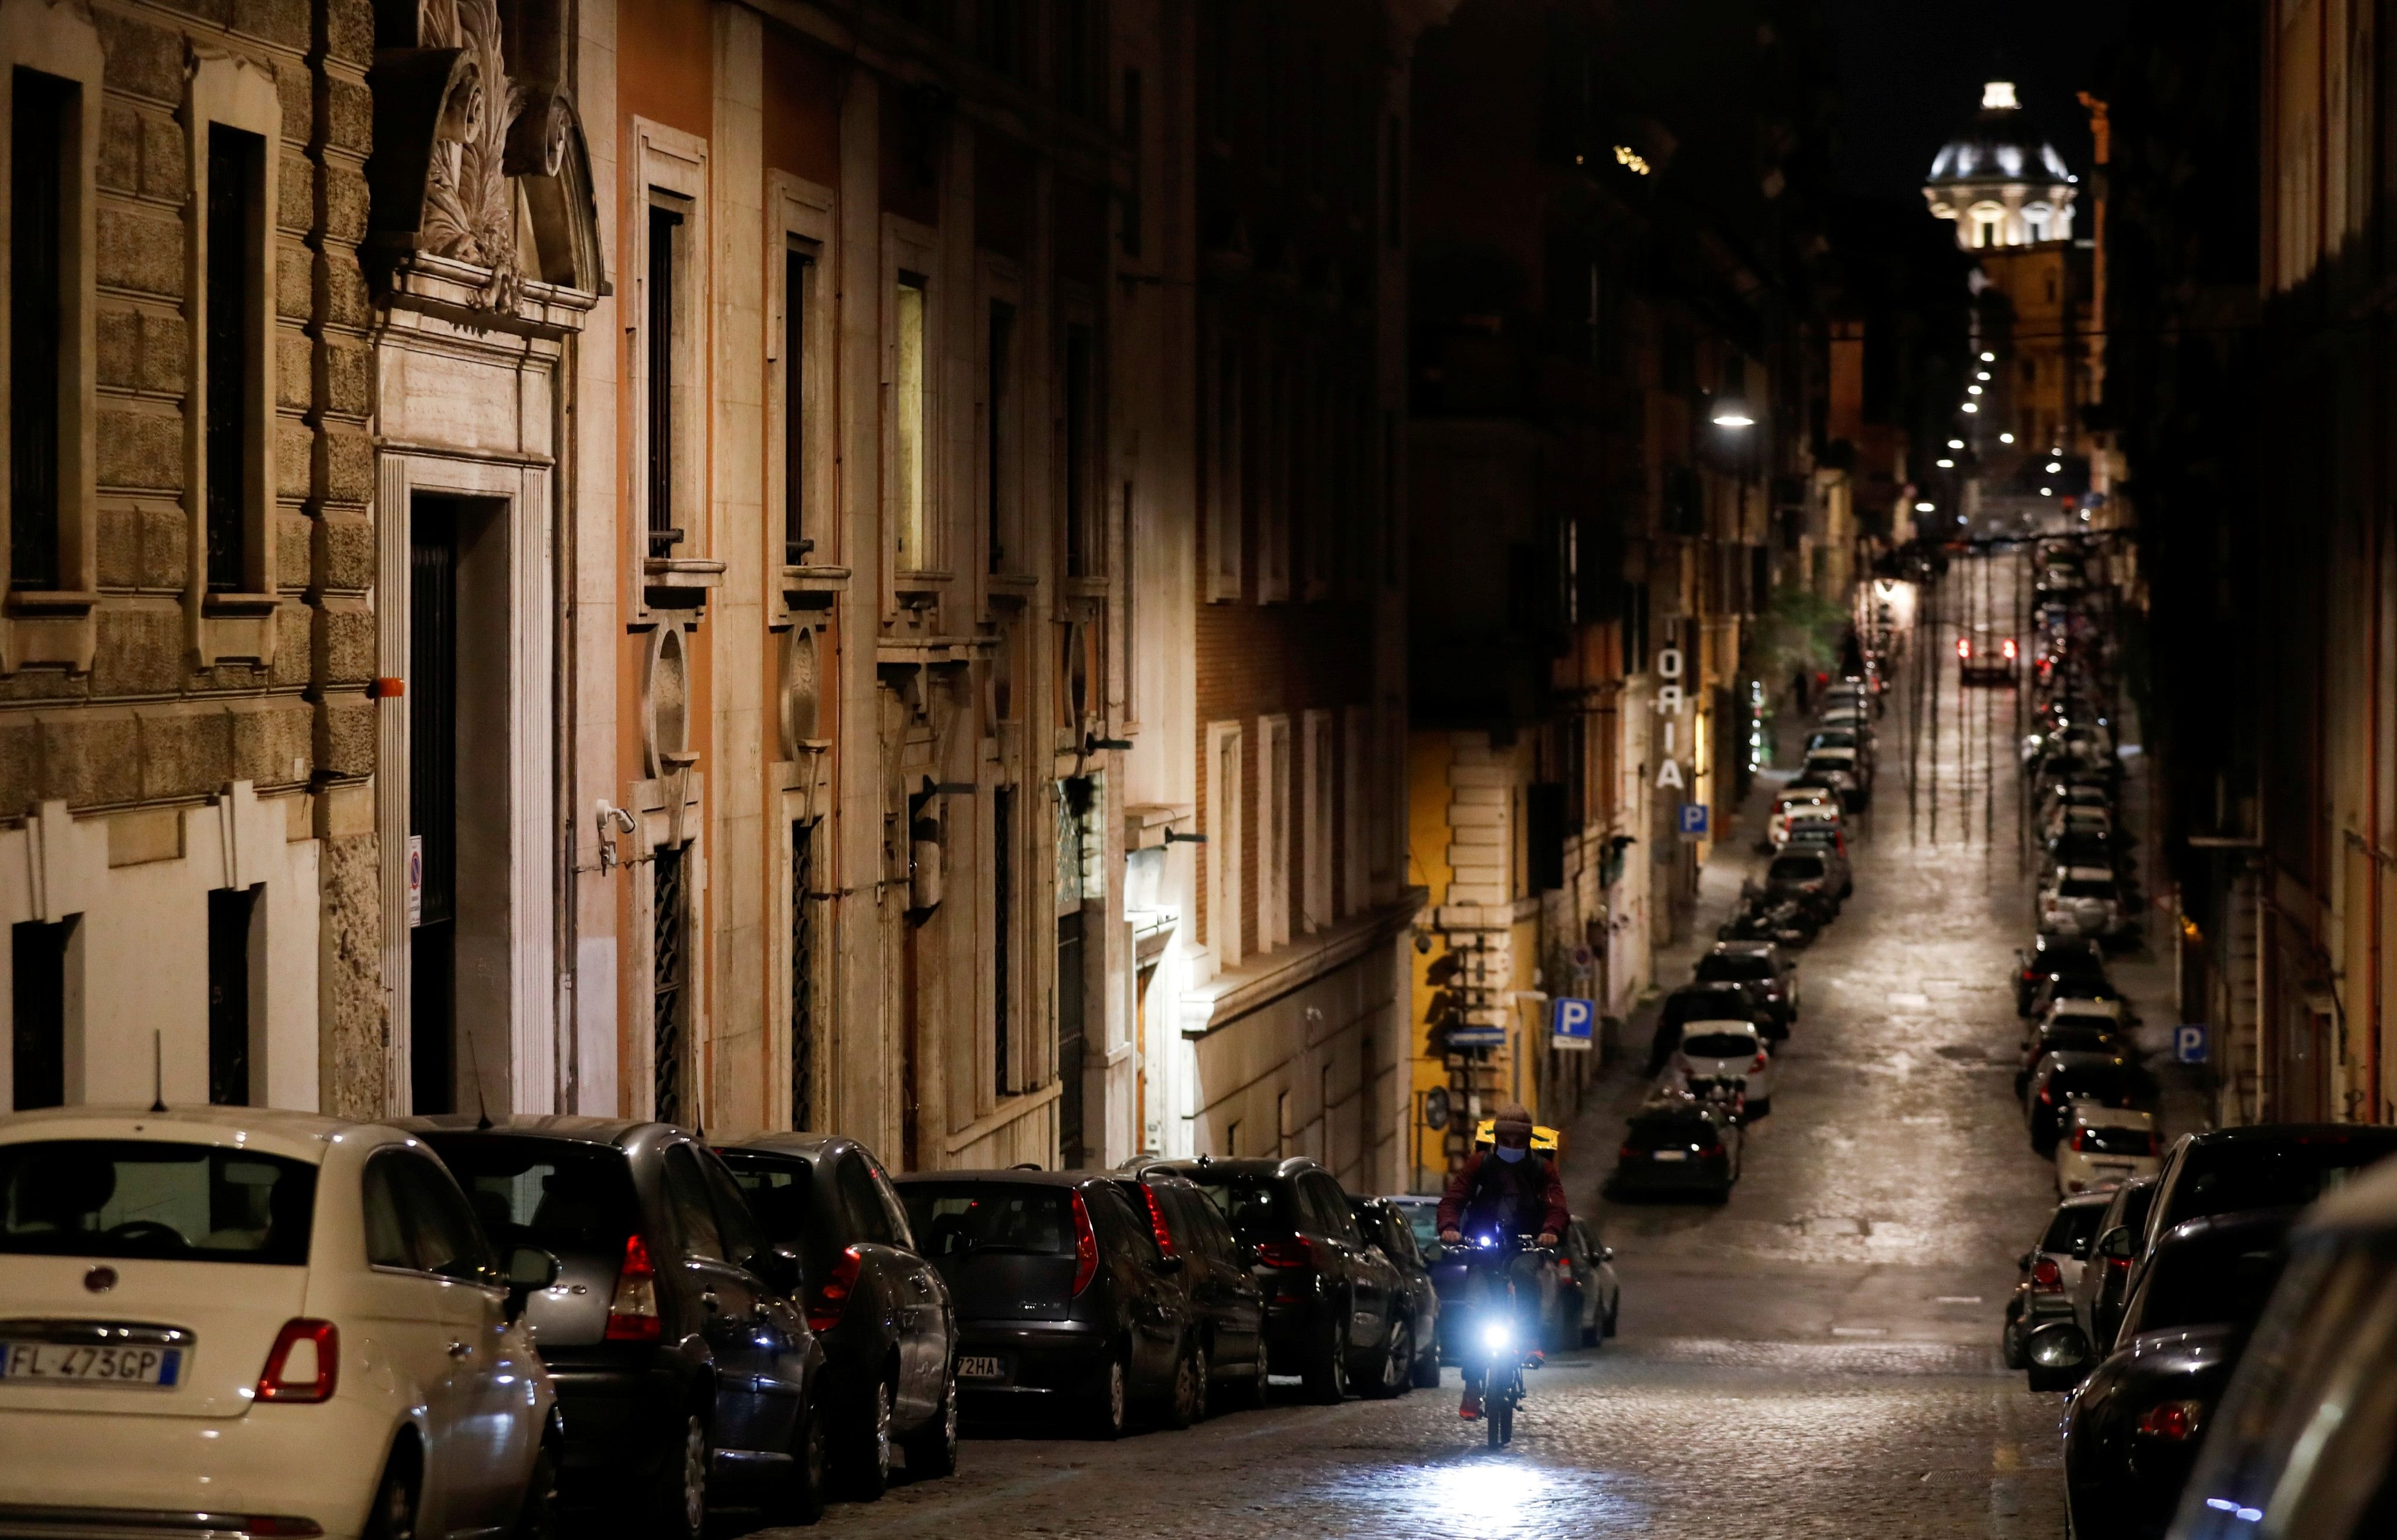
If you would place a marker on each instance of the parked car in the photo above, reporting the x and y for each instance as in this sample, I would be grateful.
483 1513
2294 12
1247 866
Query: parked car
1332 1302
1704 1002
1064 1302
2133 1426
2105 1146
1385 1226
2081 901
2069 1036
686 1376
2104 998
1592 1296
1844 772
2052 958
879 1310
1676 1146
1796 794
1826 839
2105 1284
1219 1274
1422 1213
1729 1053
1804 873
232 1320
1764 973
2046 1275
2110 1079
2304 1441
1979 663
2260 1166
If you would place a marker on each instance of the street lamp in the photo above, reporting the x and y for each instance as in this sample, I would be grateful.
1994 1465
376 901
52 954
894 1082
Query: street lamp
1945 464
1988 358
2006 439
1731 413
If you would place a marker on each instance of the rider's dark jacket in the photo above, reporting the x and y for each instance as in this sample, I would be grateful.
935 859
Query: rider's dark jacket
1509 1197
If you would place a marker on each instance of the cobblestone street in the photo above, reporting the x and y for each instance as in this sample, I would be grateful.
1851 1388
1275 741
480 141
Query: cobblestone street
1816 1356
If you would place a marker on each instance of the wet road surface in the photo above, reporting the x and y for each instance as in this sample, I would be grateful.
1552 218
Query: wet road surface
1818 1357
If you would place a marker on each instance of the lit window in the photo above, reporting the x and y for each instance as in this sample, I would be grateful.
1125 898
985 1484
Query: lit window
907 427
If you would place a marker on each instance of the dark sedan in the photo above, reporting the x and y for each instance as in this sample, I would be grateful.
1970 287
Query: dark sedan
880 1310
1332 1305
2131 1430
1219 1274
2053 957
2097 1298
1675 1148
2069 1034
1761 969
686 1376
1064 1301
2260 1166
2109 1080
1386 1227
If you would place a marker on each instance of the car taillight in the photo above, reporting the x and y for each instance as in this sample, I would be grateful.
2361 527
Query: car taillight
824 1311
1086 1247
1157 1221
2178 1421
1293 1252
2046 1276
2155 1143
1627 1153
1564 1265
1710 1151
633 1313
1759 1063
305 1363
2080 1138
1963 647
2047 1095
2008 649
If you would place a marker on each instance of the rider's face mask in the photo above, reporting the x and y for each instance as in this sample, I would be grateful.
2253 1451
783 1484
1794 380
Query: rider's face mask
1511 1154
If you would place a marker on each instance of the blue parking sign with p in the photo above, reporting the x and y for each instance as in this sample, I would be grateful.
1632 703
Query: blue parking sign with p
2188 1043
1694 819
1573 1022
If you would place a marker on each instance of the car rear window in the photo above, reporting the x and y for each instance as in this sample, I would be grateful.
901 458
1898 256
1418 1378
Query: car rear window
952 1220
2086 888
1665 1134
1717 1045
2073 1228
143 1197
1796 868
1256 1207
781 1193
2106 1139
558 1194
2230 1177
2114 1087
1735 967
2217 1281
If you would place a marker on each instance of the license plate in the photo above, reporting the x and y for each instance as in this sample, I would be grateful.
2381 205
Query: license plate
972 1368
1670 1154
65 1363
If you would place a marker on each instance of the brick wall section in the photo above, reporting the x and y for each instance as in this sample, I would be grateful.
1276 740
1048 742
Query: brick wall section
145 724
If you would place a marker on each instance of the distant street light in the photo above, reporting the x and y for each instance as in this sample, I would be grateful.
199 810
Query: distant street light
1972 406
1731 413
1925 508
1945 464
2006 439
1955 443
1988 358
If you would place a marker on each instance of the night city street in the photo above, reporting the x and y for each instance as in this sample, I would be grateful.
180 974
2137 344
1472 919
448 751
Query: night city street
1159 770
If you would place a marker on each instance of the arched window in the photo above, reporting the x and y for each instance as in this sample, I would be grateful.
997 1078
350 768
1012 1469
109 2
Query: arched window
2035 222
1988 225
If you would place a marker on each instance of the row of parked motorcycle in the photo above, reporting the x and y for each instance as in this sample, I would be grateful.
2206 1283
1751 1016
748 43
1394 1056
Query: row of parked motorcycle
1712 1056
455 1324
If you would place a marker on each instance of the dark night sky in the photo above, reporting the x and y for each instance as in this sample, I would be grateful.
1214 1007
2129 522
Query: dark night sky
1911 75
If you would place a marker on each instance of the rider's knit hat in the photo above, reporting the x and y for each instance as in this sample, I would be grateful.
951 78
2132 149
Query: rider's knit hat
1512 1119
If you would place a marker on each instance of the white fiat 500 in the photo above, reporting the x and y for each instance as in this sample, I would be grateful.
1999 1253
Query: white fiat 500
230 1321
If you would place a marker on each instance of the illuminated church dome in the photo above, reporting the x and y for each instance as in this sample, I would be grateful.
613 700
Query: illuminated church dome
2000 182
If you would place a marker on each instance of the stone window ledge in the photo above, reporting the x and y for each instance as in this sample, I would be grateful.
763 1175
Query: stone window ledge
1257 982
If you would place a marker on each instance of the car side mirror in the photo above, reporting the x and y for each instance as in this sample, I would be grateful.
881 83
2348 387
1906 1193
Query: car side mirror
531 1269
2060 1356
1606 1254
778 1268
1167 1265
2116 1243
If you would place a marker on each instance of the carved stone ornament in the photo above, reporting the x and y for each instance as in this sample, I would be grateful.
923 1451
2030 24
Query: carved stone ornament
800 687
461 129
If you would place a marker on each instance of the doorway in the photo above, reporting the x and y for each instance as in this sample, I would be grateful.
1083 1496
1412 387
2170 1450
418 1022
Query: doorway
459 838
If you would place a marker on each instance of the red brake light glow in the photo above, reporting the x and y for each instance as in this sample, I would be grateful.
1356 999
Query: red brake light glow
633 1313
1293 1252
824 1311
1963 647
1157 1221
2178 1421
2046 1277
303 1365
1086 1247
2009 650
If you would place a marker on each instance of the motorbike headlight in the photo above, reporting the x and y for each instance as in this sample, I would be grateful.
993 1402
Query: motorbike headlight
1497 1337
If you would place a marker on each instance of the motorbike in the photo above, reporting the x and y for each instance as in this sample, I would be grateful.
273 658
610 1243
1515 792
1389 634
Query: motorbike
1494 1348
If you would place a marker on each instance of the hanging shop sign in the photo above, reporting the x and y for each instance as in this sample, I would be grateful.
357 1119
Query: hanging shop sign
1669 703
